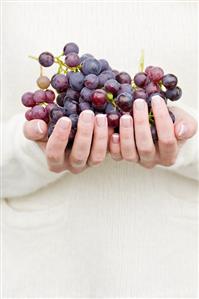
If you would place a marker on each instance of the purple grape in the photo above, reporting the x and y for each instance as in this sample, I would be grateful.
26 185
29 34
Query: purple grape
104 64
39 96
27 99
39 112
84 106
74 119
85 56
51 126
59 82
28 114
155 74
116 72
50 106
154 133
60 99
140 79
50 96
46 59
72 60
70 48
72 94
174 94
91 81
110 108
91 66
169 81
148 69
152 88
123 77
86 94
56 113
70 107
139 94
105 76
76 80
112 86
113 119
124 101
99 99
125 88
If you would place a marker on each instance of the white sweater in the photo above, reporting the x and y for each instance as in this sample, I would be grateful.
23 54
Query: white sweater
117 230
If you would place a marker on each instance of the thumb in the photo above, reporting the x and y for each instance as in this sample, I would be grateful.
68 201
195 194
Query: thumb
185 130
35 129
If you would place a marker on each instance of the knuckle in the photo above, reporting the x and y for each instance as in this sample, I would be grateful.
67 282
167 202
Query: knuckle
52 156
145 151
77 161
85 131
139 121
168 142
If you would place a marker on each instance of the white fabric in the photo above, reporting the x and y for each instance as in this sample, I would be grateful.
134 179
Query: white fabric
117 230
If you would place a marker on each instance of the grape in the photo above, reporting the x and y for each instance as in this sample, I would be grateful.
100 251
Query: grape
70 107
50 96
172 116
50 106
50 128
154 133
91 81
72 60
76 80
148 69
28 114
139 94
140 79
113 119
43 82
27 99
70 48
60 99
39 96
84 106
56 113
155 74
174 94
149 98
104 64
91 66
123 77
72 94
85 56
169 81
112 86
39 112
110 108
59 82
74 119
99 98
125 101
46 59
86 94
105 76
152 88
125 87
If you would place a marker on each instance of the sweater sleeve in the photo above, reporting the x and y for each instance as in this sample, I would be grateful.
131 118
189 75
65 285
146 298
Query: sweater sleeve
187 163
23 165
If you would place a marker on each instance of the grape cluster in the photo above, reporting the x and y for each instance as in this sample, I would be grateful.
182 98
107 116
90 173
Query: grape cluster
84 82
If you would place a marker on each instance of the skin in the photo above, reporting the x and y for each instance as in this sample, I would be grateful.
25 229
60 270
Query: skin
134 143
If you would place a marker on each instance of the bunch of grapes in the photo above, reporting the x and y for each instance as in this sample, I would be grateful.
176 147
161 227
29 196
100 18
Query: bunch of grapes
84 82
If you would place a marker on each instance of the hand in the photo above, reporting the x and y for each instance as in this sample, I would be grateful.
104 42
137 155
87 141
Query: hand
142 149
89 147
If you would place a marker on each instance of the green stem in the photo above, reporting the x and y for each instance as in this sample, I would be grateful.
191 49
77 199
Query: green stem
141 65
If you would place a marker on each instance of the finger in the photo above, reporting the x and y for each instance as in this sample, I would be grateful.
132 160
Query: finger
127 143
144 142
56 145
114 147
166 137
185 130
35 129
83 138
100 140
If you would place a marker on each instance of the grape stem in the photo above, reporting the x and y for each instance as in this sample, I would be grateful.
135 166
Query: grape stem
141 64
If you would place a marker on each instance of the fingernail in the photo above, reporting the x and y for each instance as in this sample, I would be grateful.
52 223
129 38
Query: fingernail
139 104
126 121
40 127
156 100
87 116
101 120
64 123
115 138
182 131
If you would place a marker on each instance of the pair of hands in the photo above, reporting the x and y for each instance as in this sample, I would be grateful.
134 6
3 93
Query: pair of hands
134 142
